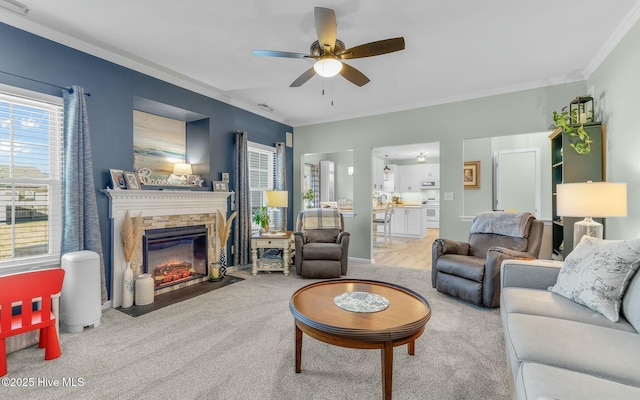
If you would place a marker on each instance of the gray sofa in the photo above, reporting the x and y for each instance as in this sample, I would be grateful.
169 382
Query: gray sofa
559 349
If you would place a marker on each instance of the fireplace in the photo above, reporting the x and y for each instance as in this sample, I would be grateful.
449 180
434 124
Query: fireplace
175 256
159 210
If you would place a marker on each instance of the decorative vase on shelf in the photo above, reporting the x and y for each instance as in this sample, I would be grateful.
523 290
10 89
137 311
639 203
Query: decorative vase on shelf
223 263
223 228
127 286
144 290
131 235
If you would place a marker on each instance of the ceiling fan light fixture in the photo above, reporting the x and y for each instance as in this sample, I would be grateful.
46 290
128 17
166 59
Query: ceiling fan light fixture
328 66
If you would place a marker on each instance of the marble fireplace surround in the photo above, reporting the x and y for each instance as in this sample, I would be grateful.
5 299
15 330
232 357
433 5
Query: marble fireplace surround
152 204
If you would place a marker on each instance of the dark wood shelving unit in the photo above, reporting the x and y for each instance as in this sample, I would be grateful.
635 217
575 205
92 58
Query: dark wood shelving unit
567 166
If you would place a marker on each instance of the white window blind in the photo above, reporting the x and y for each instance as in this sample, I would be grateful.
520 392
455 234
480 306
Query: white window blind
30 180
261 173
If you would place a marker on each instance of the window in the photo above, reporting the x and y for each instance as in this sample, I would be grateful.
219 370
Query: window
261 173
30 178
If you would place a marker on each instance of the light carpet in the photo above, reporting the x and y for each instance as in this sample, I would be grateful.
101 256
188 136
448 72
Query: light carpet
237 342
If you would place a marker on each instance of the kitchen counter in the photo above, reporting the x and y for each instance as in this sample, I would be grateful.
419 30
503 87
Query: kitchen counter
382 208
408 219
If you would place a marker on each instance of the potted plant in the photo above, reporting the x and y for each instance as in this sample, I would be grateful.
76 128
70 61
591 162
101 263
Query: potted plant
568 124
261 218
308 197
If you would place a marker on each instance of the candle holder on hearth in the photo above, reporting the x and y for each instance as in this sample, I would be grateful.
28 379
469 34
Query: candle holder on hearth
215 275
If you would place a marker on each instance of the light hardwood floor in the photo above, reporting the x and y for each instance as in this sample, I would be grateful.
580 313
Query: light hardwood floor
406 252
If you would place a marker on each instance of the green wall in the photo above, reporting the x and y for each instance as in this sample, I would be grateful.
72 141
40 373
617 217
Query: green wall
616 85
616 89
507 114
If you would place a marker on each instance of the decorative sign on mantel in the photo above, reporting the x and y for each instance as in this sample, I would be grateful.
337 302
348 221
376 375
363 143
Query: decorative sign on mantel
152 203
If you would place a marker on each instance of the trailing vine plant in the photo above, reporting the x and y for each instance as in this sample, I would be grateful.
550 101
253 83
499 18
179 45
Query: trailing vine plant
568 124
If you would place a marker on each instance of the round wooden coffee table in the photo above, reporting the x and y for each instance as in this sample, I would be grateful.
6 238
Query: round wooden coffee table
360 314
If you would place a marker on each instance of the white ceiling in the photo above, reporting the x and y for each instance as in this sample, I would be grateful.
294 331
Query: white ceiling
455 49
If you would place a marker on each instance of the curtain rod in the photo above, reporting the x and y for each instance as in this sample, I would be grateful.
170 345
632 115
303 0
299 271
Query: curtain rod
44 83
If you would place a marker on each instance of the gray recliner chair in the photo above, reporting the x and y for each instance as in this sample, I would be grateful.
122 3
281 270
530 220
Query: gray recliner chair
322 246
471 271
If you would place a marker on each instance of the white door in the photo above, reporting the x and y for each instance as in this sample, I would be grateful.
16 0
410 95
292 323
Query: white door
518 180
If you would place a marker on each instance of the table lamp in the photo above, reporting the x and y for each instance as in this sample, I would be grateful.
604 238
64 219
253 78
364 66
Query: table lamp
276 199
591 199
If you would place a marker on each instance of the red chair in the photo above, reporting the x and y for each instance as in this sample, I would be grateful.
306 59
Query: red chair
26 289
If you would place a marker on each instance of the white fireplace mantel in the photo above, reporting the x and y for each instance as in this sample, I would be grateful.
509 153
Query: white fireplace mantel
150 203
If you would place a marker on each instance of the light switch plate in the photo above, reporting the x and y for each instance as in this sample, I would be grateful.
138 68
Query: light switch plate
448 195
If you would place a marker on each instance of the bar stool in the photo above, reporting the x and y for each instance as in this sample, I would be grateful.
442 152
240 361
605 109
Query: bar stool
385 221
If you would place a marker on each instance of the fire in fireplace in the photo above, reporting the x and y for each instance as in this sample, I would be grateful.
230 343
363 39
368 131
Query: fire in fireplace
175 255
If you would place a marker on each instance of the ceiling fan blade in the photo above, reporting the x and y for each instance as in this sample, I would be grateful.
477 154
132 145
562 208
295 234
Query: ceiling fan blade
308 74
325 19
373 49
286 54
353 75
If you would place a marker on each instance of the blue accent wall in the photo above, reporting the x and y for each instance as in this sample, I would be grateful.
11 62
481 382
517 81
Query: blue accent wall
114 89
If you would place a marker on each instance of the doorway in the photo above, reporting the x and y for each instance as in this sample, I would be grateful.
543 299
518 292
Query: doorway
517 178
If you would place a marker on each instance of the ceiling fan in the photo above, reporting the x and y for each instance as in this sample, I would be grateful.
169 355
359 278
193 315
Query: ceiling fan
329 51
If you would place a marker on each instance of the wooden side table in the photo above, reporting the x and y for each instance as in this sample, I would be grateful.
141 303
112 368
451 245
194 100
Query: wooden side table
281 240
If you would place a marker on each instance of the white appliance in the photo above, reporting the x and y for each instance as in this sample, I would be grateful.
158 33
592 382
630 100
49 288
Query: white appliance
432 205
425 185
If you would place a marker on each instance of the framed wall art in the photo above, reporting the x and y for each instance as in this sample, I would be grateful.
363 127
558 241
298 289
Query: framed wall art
117 179
158 144
472 174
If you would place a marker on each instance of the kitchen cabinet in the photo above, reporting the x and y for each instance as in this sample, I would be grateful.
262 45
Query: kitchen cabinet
398 221
408 221
414 221
431 172
389 185
410 177
379 183
378 177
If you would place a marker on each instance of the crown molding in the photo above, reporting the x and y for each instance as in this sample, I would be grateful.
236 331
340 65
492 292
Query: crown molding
448 100
627 23
132 62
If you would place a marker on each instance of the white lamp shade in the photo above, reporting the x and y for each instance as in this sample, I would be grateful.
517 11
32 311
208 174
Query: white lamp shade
276 198
592 199
182 169
328 66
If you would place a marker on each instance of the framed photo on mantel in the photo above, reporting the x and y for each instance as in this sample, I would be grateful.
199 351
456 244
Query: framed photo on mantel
220 186
117 179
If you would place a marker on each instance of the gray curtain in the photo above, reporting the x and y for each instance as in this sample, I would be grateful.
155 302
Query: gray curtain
80 227
281 179
242 232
